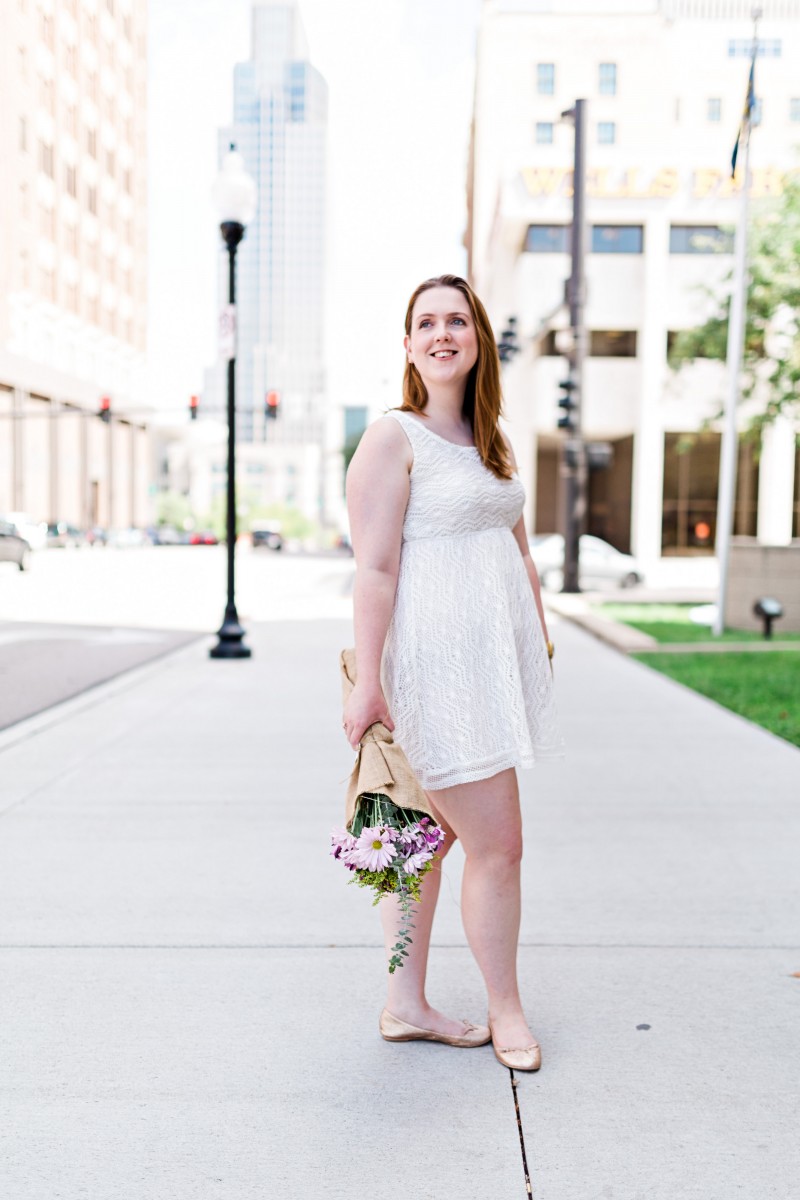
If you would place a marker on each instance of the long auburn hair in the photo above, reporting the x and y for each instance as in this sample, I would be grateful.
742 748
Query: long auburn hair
483 396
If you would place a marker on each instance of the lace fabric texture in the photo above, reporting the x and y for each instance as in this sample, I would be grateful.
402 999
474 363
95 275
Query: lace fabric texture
465 668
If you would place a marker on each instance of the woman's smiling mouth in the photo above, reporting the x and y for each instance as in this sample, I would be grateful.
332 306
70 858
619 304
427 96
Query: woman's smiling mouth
444 353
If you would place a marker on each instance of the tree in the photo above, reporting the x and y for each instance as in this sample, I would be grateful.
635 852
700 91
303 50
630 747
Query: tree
771 359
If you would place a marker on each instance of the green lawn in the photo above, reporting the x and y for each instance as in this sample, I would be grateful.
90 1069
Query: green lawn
671 623
764 686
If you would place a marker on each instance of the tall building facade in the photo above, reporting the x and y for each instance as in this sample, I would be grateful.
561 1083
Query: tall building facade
280 126
73 244
664 82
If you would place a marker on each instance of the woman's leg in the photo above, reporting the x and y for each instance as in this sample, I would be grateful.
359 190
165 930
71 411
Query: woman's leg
486 817
406 994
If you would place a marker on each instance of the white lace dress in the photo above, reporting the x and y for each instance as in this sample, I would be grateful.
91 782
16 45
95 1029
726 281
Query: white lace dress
465 669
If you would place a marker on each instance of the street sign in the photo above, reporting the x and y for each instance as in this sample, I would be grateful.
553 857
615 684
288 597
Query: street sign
227 332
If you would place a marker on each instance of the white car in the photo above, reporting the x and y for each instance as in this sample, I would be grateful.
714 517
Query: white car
34 532
599 563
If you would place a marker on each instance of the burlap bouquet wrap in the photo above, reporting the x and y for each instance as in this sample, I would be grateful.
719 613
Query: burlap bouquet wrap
381 766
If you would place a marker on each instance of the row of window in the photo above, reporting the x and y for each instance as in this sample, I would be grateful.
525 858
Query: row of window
607 130
606 133
47 165
605 343
606 79
628 239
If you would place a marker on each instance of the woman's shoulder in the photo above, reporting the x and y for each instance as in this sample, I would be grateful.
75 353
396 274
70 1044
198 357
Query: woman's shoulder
384 441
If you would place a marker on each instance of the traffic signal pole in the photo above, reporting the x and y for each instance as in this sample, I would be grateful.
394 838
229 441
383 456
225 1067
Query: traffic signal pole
574 467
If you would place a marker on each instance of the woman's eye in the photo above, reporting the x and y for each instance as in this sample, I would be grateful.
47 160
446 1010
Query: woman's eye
459 321
422 324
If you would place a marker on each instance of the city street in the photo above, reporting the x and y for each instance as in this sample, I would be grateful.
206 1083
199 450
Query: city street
196 990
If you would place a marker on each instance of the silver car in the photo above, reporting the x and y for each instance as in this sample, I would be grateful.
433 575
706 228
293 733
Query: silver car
600 564
13 547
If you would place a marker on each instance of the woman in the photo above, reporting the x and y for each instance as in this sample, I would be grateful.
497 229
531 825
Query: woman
451 645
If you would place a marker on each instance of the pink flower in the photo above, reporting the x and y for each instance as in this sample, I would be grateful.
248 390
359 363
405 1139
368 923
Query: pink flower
341 843
415 861
374 850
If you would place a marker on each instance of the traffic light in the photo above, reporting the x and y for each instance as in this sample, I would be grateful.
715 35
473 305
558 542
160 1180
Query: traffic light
272 403
194 404
569 420
104 412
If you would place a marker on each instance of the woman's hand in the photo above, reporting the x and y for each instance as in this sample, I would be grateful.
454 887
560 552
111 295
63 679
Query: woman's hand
365 705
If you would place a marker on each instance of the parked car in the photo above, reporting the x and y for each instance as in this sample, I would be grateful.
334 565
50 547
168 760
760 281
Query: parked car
202 537
600 564
168 535
96 536
60 534
13 547
266 535
32 531
129 539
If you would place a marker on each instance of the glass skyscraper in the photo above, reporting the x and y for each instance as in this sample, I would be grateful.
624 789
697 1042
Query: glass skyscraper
279 126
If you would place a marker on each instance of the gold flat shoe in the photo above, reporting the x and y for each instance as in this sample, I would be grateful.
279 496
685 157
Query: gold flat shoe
526 1058
392 1029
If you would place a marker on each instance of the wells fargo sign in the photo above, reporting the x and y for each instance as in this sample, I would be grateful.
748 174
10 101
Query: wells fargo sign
603 183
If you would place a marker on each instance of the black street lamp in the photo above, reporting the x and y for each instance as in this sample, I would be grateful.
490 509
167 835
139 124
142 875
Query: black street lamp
235 198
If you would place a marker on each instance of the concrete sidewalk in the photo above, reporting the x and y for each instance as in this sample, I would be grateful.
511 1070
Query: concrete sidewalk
191 992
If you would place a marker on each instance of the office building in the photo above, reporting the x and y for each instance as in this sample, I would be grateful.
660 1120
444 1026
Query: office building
73 280
279 126
664 82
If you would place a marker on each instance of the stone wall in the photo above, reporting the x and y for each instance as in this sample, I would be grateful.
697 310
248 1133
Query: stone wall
756 571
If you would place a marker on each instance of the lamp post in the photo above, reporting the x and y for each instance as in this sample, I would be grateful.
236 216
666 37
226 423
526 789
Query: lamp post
235 198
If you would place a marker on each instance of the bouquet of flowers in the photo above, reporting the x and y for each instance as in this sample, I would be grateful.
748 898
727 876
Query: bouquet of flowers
389 849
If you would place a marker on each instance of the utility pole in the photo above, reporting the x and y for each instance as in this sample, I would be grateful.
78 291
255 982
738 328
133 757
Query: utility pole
573 468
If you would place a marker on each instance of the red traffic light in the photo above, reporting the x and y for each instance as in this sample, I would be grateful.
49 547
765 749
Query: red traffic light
272 403
194 404
104 412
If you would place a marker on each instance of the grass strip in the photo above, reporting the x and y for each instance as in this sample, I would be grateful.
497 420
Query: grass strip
765 687
671 623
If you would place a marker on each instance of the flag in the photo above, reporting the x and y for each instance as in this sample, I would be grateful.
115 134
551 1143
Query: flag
747 115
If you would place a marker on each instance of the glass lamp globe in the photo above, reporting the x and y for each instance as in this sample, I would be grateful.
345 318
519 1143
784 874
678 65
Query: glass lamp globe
234 191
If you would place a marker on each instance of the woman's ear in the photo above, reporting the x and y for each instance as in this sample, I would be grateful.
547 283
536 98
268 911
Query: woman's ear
407 344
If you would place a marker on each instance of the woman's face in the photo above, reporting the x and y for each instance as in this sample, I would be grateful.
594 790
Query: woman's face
443 343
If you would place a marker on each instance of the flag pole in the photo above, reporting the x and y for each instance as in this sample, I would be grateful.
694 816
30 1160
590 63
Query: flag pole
736 331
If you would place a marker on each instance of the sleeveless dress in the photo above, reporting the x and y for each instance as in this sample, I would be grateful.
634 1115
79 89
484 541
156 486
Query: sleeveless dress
465 669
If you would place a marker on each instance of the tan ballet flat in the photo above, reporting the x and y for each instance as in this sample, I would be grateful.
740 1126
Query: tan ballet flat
392 1029
527 1058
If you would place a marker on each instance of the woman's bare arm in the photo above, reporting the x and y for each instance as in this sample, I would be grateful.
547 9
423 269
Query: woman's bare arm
377 495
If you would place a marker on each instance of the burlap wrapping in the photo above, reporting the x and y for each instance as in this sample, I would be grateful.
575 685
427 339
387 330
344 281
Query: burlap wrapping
381 766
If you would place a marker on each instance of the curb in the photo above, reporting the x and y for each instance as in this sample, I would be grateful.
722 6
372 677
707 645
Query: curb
94 694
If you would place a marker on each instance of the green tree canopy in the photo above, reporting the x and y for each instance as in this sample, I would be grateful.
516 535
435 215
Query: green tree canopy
771 360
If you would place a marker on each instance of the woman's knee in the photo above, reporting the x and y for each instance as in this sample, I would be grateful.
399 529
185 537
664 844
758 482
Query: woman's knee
503 851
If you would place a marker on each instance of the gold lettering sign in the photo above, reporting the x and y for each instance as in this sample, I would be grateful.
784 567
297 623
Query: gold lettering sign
631 183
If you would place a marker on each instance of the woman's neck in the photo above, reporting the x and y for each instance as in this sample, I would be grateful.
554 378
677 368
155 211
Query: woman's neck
445 407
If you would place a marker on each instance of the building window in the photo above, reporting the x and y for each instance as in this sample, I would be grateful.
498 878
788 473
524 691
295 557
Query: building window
545 78
612 343
46 158
71 239
743 48
794 108
23 134
47 223
544 133
70 180
91 200
91 142
714 108
127 26
608 79
71 60
127 182
691 478
699 239
111 163
607 133
71 120
547 239
617 239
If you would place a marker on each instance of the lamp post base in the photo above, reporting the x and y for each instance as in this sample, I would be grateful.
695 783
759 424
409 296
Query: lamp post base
230 635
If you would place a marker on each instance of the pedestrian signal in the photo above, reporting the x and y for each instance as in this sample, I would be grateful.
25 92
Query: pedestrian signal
567 401
272 403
